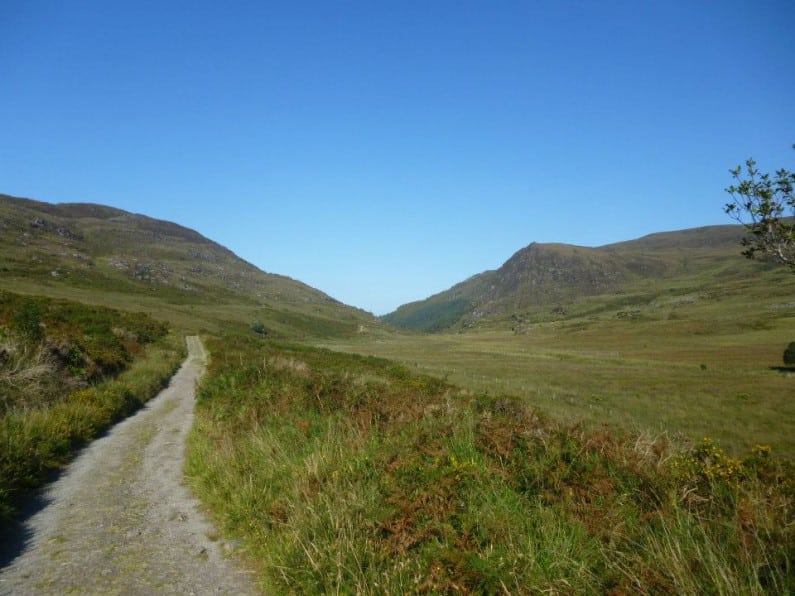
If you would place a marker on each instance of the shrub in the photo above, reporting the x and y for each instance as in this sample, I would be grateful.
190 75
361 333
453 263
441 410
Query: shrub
259 328
27 320
789 354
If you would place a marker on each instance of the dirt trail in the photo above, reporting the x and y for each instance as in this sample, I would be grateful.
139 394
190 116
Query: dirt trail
121 521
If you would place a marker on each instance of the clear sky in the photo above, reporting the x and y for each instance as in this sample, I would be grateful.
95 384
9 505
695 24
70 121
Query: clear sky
383 150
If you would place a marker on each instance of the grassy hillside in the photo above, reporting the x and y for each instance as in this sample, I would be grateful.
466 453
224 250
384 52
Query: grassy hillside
349 474
102 255
549 278
49 347
696 357
442 310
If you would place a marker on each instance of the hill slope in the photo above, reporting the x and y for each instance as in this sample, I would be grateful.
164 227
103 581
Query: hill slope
545 279
99 253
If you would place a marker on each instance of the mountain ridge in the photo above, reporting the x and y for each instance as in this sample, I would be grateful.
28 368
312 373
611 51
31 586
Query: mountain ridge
548 275
59 247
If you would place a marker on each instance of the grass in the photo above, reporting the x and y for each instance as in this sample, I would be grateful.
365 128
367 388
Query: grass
107 257
688 359
551 448
46 345
350 474
70 371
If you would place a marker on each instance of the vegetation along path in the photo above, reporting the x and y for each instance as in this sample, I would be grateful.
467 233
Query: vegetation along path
120 519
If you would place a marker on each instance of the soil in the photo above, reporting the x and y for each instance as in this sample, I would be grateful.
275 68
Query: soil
120 520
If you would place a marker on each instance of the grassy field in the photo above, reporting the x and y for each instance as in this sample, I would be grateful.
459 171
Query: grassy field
699 361
350 474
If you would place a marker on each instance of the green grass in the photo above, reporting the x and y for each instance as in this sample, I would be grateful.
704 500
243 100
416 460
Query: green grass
349 474
562 452
48 347
696 360
104 256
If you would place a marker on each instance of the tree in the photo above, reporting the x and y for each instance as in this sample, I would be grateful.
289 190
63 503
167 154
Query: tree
765 205
789 354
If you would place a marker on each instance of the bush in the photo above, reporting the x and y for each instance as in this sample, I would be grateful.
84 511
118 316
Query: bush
27 320
789 354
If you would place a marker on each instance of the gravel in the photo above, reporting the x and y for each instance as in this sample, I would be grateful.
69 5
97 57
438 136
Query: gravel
120 520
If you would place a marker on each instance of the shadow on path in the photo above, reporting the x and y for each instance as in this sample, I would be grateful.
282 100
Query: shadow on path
18 535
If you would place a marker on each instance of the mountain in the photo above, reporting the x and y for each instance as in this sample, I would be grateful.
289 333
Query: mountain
97 253
545 280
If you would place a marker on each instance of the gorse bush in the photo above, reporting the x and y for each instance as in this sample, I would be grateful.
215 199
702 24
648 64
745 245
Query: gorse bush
349 474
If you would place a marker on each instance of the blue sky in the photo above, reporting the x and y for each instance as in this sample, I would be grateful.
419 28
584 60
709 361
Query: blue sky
383 150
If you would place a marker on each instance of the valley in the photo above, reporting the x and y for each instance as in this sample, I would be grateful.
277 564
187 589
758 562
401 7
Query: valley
657 377
581 419
691 345
422 298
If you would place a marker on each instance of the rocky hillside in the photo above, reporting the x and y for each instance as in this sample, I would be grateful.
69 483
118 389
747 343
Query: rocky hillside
549 276
106 250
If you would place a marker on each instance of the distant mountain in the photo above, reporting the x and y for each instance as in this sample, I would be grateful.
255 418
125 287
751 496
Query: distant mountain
545 277
103 250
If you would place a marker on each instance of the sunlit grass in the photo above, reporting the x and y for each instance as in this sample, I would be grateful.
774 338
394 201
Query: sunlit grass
700 367
349 474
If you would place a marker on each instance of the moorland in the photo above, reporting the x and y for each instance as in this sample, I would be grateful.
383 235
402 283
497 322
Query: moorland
589 420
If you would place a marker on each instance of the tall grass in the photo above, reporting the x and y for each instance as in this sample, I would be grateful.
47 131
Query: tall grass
706 367
348 474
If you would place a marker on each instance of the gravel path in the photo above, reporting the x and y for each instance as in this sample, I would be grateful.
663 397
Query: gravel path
121 521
